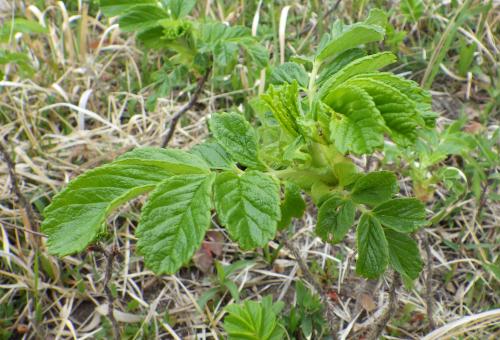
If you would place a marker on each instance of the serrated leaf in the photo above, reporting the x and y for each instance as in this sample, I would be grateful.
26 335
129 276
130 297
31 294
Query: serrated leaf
412 9
404 255
214 155
283 102
346 173
141 18
174 221
288 72
118 7
76 215
352 37
375 188
398 111
373 251
293 205
180 8
404 215
362 65
237 137
248 205
335 217
343 59
254 320
174 160
356 125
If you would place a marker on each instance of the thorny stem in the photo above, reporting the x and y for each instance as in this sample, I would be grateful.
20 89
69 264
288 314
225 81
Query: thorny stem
110 257
378 328
194 99
330 314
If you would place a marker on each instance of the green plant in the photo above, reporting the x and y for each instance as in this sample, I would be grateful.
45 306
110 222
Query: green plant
309 123
254 320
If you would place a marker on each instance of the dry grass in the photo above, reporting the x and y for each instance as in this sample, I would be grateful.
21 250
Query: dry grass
75 114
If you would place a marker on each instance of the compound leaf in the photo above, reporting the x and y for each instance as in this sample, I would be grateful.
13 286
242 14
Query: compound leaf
404 255
77 214
375 188
237 137
253 320
180 8
283 102
412 9
373 251
249 206
404 215
174 221
335 217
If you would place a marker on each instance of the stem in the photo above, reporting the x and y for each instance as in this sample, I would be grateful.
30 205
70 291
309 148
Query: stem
312 80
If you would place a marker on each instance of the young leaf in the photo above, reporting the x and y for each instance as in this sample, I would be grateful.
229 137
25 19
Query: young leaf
214 155
288 72
343 59
404 255
373 252
404 215
180 8
77 214
174 221
352 37
249 206
375 188
283 102
292 206
173 160
362 65
254 320
112 8
335 217
141 18
412 9
237 137
356 124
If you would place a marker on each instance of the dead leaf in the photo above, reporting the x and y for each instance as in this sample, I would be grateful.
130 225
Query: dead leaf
366 301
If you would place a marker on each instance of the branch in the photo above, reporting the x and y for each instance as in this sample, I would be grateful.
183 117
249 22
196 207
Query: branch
185 108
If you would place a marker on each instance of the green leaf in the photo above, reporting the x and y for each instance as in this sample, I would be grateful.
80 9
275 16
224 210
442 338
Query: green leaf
293 205
237 137
180 8
112 8
404 255
346 173
373 252
375 188
342 60
214 155
335 217
19 25
76 215
352 37
174 221
356 125
254 320
288 72
141 18
404 215
173 160
256 51
249 206
283 102
25 67
412 9
362 65
377 17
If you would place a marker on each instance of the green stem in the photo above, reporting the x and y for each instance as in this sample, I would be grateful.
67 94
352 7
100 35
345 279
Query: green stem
312 81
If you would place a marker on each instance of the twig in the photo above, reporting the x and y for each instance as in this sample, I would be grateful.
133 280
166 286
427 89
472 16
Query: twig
379 326
428 284
185 108
25 204
110 257
330 313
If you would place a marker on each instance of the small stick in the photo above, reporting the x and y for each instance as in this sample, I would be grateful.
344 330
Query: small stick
194 99
428 284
